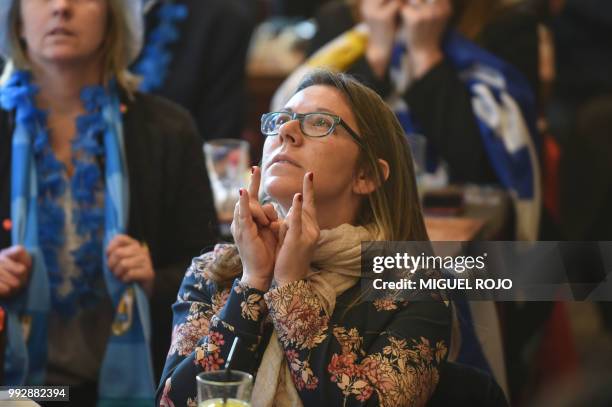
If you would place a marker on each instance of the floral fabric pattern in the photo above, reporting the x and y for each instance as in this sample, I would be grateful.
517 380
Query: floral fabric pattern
400 366
253 305
302 374
209 354
385 304
297 314
380 353
185 336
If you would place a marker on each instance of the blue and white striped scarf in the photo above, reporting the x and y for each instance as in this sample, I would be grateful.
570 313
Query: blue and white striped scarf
126 377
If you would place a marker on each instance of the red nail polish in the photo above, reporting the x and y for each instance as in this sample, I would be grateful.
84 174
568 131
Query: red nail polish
7 224
311 176
300 198
240 191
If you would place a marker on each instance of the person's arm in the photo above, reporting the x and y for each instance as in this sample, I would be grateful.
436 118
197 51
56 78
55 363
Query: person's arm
6 131
332 20
221 109
206 320
191 222
523 51
441 106
187 228
342 362
362 70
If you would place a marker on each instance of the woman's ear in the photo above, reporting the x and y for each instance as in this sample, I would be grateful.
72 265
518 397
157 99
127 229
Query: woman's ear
365 184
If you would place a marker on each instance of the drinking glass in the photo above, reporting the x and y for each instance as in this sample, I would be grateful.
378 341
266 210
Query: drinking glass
222 389
227 161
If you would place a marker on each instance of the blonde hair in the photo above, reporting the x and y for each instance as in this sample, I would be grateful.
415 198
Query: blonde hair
115 58
393 209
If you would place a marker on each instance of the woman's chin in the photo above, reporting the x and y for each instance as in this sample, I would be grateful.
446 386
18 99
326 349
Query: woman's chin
281 190
61 55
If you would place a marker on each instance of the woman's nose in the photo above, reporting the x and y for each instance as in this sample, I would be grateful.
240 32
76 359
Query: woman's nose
61 7
291 132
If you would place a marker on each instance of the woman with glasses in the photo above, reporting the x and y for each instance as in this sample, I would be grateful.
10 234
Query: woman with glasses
103 199
337 171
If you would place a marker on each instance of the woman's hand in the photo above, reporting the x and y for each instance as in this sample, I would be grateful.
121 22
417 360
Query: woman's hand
298 236
425 22
130 261
381 18
15 267
255 230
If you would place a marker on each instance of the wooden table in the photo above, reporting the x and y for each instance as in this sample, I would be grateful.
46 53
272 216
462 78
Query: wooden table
453 229
489 219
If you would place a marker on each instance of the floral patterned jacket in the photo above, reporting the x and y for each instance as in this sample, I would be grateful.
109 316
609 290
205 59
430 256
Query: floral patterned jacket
380 352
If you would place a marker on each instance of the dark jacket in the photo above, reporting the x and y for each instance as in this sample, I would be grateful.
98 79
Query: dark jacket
171 205
207 73
440 102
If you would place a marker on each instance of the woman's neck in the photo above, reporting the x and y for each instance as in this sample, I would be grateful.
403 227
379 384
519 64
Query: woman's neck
61 85
330 215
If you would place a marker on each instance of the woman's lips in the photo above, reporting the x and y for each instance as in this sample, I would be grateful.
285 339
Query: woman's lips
283 159
60 32
284 162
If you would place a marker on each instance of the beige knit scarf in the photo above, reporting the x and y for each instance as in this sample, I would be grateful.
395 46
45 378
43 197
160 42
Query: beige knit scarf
335 267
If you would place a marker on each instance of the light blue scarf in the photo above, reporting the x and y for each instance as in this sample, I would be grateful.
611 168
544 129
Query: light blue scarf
126 377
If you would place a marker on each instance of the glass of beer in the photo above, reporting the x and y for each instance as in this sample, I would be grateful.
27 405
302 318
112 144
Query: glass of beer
224 389
227 162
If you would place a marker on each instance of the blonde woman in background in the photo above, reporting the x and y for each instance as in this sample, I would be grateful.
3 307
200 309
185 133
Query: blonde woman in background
104 198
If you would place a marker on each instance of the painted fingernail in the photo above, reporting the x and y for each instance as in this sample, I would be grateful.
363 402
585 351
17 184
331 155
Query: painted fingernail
252 170
7 225
300 198
311 176
240 191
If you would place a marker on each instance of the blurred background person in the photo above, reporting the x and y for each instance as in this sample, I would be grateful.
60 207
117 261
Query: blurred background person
580 115
104 198
195 55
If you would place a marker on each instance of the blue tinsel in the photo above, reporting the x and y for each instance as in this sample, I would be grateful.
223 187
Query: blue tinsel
155 59
86 183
